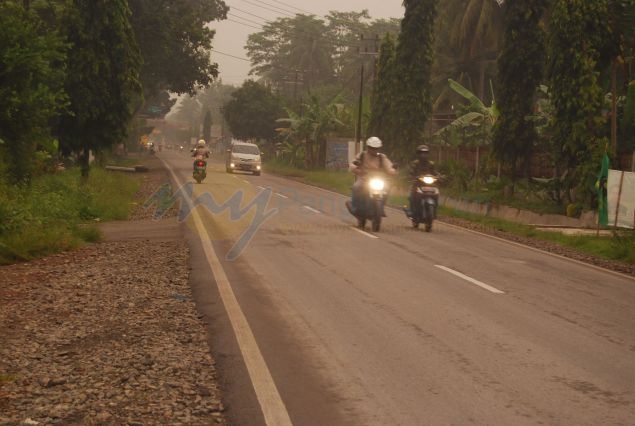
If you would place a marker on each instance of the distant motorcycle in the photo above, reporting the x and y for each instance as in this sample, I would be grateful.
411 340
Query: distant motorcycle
200 169
424 204
372 202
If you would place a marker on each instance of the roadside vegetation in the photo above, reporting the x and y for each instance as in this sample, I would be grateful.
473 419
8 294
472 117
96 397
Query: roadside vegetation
57 212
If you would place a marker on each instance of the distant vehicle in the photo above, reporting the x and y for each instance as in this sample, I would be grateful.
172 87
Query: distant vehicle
243 156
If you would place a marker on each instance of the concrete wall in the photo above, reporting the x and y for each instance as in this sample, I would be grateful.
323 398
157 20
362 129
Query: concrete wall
484 207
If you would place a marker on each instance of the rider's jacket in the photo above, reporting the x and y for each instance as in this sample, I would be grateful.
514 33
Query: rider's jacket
419 167
201 150
370 163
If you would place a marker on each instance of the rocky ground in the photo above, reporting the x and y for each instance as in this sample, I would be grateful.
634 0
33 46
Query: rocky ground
106 335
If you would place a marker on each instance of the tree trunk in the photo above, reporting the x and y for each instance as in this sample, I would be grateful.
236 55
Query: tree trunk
614 106
84 163
478 152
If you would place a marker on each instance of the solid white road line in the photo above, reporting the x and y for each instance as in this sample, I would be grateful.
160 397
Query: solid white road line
472 280
280 195
273 408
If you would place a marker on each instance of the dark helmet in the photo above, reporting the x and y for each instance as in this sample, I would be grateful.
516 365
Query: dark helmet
422 148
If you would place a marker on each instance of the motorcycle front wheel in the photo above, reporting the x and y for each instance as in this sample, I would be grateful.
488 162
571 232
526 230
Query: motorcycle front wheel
377 216
429 217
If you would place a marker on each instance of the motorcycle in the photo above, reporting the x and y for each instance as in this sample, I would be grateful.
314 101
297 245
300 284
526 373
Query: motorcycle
372 202
424 204
200 169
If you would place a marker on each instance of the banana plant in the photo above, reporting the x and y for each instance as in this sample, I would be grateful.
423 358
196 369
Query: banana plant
478 115
478 119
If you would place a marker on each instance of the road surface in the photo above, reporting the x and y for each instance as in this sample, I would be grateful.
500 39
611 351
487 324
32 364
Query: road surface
315 322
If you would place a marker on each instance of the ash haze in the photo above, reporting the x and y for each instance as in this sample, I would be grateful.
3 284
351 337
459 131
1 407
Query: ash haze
247 16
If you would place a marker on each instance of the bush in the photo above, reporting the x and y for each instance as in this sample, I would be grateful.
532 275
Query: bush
55 212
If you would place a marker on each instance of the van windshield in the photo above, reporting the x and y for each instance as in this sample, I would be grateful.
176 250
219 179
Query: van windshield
246 149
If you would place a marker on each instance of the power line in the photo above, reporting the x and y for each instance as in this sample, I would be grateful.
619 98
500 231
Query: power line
248 13
231 56
274 6
270 10
245 19
246 25
293 7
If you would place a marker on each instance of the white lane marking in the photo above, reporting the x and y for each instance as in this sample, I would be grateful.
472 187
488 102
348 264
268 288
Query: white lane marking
366 233
280 195
311 209
273 408
260 187
472 280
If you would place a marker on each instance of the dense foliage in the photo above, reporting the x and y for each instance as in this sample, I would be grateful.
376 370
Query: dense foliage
578 33
102 79
79 71
414 57
520 68
32 70
252 112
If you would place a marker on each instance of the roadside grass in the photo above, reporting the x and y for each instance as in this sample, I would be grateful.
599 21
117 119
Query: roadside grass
335 181
56 213
620 246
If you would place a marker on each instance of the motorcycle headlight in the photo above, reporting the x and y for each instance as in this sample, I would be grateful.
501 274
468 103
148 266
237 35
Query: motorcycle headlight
429 180
377 184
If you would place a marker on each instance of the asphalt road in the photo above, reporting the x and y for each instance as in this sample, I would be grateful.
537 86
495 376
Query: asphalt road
400 327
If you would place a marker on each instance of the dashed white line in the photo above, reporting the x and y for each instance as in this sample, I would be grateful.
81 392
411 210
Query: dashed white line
472 280
311 209
375 237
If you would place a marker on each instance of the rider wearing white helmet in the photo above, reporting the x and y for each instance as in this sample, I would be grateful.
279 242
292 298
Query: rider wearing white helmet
370 160
201 150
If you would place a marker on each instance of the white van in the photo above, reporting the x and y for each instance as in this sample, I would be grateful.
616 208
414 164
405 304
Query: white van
243 156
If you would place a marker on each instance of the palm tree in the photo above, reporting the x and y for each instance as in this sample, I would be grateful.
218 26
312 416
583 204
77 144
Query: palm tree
469 39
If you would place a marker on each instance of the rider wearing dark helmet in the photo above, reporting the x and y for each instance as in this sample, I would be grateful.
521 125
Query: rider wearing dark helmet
422 165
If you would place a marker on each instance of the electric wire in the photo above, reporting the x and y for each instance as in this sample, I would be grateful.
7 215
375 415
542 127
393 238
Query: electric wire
270 10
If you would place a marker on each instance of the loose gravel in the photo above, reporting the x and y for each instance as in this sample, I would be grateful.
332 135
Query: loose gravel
106 335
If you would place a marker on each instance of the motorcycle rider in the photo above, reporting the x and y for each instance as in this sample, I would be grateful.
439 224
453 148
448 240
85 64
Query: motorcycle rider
200 149
371 160
420 166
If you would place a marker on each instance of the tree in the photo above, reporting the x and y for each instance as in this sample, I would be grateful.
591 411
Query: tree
32 70
468 38
252 112
292 48
414 56
103 76
577 35
382 120
175 42
520 66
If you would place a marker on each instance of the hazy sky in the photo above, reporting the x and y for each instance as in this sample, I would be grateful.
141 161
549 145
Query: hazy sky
247 16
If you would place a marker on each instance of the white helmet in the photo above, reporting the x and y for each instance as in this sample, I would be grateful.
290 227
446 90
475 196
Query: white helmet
201 143
373 142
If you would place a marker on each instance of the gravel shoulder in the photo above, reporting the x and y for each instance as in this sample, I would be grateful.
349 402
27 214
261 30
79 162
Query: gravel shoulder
108 334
